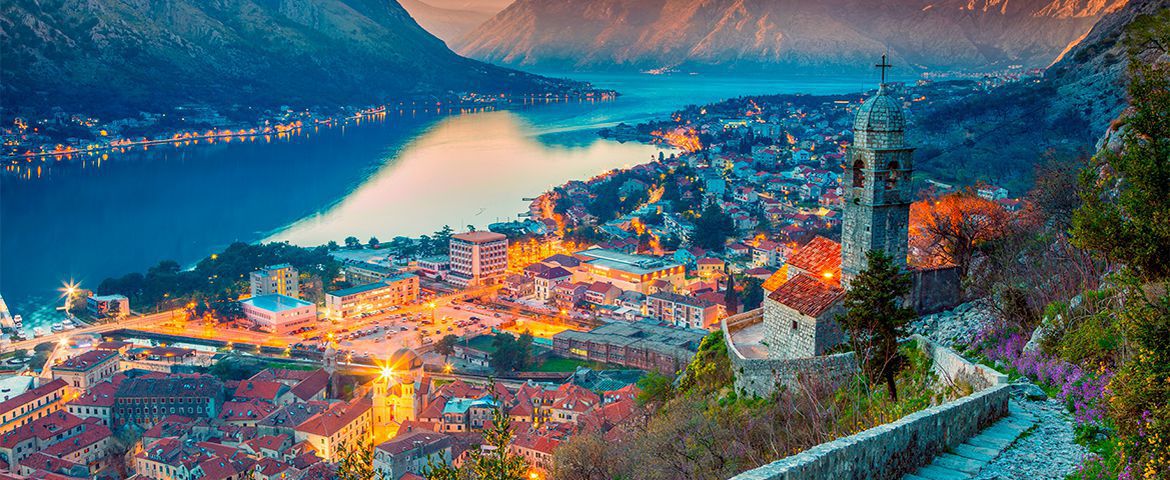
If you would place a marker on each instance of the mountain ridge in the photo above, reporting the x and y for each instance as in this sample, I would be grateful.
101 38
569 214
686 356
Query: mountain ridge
142 55
763 34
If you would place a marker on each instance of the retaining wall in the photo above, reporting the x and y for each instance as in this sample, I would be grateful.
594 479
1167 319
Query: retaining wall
953 368
889 451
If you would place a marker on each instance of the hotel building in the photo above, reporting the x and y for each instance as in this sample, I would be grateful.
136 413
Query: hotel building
279 279
478 259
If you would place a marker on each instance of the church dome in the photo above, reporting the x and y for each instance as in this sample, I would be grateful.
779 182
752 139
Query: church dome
880 122
405 359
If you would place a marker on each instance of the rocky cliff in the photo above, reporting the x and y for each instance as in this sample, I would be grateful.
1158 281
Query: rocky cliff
761 34
105 55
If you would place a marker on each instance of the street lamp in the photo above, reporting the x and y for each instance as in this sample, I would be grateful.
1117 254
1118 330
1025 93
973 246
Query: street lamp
70 290
432 305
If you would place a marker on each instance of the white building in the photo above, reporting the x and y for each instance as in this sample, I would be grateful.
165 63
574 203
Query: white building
108 305
478 258
279 279
279 314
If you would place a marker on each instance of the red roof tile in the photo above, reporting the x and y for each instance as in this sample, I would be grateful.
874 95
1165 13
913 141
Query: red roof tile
817 257
807 295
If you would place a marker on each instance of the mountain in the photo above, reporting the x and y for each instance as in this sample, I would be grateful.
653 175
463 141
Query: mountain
765 34
450 22
110 55
1000 135
1090 77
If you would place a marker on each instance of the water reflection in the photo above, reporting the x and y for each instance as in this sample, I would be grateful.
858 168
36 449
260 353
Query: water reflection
465 170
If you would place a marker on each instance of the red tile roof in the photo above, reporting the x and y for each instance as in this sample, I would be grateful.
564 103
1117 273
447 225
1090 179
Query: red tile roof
86 361
311 385
26 397
337 417
100 395
260 389
92 434
808 295
817 257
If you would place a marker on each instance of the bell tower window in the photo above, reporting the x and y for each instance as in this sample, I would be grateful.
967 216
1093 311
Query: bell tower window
858 176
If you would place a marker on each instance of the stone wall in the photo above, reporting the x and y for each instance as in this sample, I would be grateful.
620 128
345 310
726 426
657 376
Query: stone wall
935 289
953 368
760 376
892 450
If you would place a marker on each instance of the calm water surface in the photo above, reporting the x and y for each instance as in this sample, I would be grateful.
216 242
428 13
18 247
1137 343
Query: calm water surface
407 175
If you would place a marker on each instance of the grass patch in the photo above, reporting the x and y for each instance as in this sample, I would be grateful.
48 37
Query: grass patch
482 343
563 364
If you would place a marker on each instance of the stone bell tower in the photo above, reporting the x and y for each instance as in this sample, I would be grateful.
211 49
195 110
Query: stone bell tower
877 183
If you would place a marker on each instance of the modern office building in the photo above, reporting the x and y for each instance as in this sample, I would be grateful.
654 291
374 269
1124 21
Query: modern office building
643 345
279 314
631 272
394 291
280 279
362 273
478 258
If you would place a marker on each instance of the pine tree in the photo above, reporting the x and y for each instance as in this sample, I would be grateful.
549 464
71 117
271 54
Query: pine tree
489 462
731 297
876 318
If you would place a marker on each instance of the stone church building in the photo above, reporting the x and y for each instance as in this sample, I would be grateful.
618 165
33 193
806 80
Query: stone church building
806 295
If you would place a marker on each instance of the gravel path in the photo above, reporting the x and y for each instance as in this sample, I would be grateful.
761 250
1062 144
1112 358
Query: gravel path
1047 451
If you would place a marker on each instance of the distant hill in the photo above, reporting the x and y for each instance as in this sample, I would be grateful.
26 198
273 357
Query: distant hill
123 55
450 20
447 24
769 34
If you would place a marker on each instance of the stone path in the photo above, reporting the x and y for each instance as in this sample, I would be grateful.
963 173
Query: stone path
967 460
1048 452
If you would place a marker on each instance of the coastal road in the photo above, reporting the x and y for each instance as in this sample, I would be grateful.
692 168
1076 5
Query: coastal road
131 322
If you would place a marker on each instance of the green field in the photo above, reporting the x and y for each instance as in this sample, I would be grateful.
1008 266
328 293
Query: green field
562 364
482 343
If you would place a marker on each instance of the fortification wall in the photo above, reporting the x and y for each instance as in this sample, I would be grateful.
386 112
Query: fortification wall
892 450
953 368
760 376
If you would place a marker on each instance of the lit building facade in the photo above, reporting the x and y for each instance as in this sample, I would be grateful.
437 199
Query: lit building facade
280 279
375 297
279 314
478 259
631 272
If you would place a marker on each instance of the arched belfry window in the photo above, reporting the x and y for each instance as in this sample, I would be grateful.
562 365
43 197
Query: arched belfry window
858 176
892 176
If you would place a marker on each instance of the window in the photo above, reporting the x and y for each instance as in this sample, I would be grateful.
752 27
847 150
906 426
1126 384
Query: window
795 325
858 176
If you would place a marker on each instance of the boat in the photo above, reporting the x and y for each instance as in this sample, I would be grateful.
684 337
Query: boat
38 332
57 327
18 320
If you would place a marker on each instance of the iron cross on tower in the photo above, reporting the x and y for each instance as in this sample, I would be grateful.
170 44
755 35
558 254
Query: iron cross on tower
883 66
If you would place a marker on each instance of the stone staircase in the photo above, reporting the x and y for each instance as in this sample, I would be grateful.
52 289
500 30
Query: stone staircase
966 460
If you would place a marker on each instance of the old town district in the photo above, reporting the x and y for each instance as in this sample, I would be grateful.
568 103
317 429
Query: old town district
406 360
